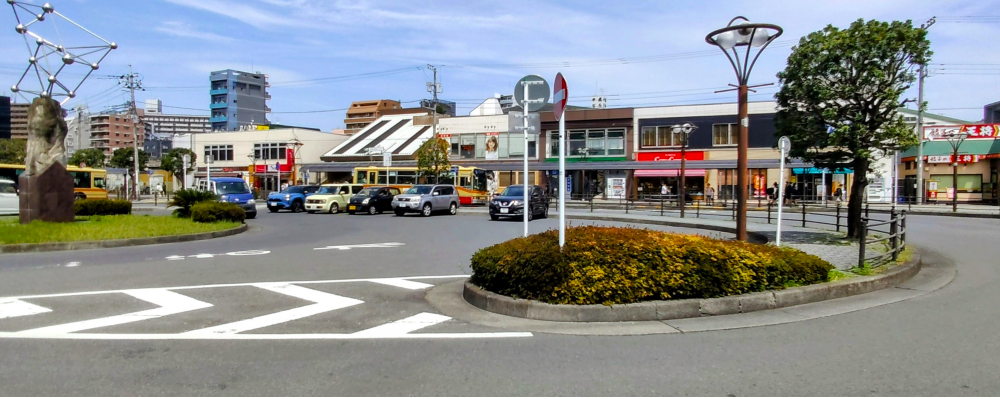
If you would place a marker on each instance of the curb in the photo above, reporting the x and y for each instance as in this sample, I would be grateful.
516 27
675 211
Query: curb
689 308
127 242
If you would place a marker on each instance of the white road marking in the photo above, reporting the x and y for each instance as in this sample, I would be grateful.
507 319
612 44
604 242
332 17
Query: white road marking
14 308
169 302
398 282
346 247
202 256
264 336
249 253
325 302
175 257
402 327
73 264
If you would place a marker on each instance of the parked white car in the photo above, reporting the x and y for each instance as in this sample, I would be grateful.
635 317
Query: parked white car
9 203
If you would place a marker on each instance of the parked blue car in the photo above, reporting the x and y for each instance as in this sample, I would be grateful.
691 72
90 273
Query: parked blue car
292 198
233 190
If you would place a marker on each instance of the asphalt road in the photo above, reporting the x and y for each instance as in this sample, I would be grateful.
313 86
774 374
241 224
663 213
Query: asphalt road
353 321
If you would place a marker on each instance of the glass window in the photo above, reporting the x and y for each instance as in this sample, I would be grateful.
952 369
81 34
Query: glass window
361 177
468 149
724 134
269 150
99 182
406 177
81 179
513 191
7 188
663 135
356 189
231 188
649 136
616 146
422 190
516 147
480 146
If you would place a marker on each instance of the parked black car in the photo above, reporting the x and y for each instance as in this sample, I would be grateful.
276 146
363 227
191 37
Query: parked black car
373 200
510 203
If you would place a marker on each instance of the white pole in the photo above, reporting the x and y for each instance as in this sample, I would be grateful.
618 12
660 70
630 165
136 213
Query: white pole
823 190
527 204
562 180
208 172
781 195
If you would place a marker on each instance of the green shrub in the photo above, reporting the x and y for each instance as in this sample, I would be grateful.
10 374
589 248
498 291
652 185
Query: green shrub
214 211
185 199
95 207
613 265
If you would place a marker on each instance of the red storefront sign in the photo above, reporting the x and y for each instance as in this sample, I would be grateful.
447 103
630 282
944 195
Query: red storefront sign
670 156
269 168
979 131
950 158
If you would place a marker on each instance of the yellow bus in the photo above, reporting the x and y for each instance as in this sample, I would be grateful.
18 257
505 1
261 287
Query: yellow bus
87 182
471 187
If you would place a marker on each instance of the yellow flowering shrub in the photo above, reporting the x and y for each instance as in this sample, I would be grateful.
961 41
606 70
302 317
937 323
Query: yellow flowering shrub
615 265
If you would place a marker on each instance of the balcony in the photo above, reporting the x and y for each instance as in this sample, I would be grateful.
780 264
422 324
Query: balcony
267 96
216 92
218 105
267 109
218 119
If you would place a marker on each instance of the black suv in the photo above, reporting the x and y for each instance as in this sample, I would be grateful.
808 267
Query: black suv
510 203
372 200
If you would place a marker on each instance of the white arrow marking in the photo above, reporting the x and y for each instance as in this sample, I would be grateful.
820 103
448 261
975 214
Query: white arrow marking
73 264
169 302
175 257
16 307
325 302
248 253
346 247
202 256
400 328
398 282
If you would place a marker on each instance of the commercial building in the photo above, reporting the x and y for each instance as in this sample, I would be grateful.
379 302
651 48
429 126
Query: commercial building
265 158
4 117
19 120
168 125
363 113
991 113
238 99
78 130
978 164
111 131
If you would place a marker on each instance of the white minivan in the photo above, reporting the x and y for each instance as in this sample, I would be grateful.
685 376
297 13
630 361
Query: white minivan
9 204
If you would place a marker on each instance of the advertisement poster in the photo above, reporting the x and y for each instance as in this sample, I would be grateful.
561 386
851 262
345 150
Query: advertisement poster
491 183
492 146
758 185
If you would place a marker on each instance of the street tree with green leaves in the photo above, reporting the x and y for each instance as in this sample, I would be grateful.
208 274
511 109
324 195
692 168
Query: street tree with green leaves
123 158
839 95
432 158
13 151
173 162
91 157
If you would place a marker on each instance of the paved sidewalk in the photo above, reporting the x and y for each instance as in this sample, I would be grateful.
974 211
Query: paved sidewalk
939 208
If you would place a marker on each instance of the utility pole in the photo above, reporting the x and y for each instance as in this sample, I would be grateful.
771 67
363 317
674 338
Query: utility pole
434 88
132 83
921 74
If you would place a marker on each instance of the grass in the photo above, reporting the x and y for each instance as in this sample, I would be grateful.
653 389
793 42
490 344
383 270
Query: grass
837 275
97 228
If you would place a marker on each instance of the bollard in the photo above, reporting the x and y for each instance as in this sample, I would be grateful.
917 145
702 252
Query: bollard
893 241
626 206
803 215
734 211
862 231
661 205
866 210
838 217
902 229
591 205
768 213
155 200
697 210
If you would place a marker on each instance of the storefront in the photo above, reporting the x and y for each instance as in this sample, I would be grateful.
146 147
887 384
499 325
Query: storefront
651 181
815 183
978 162
595 139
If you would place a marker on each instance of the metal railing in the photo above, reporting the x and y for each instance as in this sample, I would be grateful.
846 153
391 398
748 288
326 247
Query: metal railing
895 239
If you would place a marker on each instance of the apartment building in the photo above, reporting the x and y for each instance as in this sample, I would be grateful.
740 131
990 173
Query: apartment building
19 120
363 113
238 99
4 117
109 132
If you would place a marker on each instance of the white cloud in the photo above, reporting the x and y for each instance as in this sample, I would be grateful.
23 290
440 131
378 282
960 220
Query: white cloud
183 29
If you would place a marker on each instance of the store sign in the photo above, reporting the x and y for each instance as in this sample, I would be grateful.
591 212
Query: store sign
670 156
270 168
949 158
974 132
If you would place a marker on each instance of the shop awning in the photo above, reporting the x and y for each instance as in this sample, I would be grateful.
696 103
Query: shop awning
669 172
970 147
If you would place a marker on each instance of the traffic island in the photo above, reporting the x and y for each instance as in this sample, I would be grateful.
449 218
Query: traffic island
108 232
604 275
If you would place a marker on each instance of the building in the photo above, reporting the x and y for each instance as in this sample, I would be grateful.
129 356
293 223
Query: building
19 120
4 117
362 113
263 157
991 113
444 107
238 99
111 131
156 145
78 130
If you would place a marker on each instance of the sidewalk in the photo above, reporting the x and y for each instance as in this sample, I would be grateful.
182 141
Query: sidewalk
941 208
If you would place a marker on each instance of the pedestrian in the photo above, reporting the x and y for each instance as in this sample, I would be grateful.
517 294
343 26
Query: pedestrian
284 186
789 199
663 190
838 194
709 194
772 194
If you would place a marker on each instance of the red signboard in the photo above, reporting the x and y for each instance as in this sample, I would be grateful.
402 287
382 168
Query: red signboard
269 168
951 158
973 132
670 156
560 95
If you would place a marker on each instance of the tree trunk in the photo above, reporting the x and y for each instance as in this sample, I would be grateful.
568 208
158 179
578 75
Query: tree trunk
854 205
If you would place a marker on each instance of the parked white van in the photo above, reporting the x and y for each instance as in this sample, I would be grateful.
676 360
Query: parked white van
9 203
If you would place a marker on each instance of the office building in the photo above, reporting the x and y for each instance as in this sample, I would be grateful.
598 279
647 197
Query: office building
19 121
238 99
78 130
4 117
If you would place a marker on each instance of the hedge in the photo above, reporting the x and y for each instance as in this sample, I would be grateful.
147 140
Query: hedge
214 211
186 198
615 265
101 207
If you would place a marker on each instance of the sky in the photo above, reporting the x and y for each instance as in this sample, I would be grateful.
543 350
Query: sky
321 55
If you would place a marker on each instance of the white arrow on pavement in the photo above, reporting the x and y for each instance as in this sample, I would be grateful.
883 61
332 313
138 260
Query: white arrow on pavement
16 307
325 302
175 257
400 328
169 303
380 245
401 283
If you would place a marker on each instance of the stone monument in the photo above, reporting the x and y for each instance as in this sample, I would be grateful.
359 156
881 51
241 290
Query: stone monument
46 186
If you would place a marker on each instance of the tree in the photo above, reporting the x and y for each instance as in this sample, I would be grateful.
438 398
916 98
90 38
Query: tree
173 162
92 157
432 158
122 158
839 94
13 151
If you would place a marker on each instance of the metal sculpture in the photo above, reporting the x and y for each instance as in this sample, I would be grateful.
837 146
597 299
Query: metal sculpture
41 56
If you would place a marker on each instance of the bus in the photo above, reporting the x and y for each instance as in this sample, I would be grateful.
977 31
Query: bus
471 187
87 182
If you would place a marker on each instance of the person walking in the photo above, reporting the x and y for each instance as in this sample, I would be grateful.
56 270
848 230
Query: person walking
772 194
789 198
663 190
709 194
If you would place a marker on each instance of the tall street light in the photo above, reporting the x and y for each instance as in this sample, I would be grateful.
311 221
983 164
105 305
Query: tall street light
729 40
684 131
955 139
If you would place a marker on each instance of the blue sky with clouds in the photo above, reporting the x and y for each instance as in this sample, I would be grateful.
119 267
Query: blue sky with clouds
323 54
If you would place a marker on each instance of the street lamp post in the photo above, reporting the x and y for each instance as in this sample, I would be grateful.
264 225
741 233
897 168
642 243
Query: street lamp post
729 39
955 139
685 131
252 156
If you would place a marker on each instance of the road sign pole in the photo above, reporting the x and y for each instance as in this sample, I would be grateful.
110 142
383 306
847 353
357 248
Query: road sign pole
784 144
527 204
562 181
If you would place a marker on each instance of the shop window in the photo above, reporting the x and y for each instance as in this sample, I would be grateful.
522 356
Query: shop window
725 134
269 150
468 148
661 136
220 152
966 183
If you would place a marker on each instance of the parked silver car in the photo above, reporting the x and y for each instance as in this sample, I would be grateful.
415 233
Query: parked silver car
427 199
